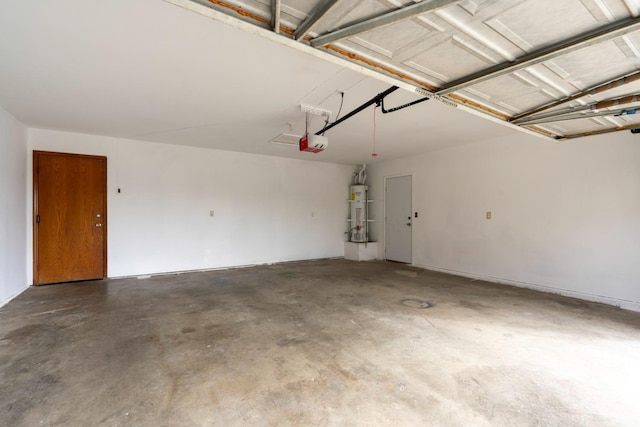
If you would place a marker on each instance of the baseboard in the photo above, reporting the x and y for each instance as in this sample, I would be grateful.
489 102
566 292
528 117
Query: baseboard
230 267
5 302
621 303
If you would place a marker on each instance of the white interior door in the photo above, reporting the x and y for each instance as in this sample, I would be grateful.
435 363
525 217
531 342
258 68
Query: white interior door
398 221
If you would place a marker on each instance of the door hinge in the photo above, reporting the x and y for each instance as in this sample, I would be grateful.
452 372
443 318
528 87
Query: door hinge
37 219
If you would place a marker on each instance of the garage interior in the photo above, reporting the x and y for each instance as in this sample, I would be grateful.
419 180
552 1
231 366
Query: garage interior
228 295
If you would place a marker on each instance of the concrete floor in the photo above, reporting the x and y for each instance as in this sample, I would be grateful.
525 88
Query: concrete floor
329 342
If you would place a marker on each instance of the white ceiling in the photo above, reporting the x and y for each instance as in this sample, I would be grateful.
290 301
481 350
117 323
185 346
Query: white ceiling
561 68
148 70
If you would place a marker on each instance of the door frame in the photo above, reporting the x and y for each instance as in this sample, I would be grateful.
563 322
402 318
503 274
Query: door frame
36 166
384 211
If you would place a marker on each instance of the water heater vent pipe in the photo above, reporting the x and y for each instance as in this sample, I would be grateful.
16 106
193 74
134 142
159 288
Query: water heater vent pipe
359 177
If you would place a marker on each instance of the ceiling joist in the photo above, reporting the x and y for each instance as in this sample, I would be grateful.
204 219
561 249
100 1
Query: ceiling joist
619 72
593 90
276 7
315 16
380 21
598 132
602 34
607 103
587 115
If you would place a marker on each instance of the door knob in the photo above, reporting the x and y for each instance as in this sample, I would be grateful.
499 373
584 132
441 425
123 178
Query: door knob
98 225
409 224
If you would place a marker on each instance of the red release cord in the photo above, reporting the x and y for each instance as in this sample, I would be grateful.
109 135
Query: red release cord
374 154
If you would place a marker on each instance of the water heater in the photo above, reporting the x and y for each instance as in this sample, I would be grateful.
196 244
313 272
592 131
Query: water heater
358 224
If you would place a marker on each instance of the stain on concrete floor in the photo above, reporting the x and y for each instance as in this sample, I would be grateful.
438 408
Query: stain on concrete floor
329 342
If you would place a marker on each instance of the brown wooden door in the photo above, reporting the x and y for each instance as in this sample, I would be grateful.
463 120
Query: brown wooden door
70 217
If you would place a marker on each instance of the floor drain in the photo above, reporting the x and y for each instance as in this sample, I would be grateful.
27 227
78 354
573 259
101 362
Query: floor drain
416 303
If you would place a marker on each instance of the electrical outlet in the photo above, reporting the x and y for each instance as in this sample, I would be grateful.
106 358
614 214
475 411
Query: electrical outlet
488 215
211 213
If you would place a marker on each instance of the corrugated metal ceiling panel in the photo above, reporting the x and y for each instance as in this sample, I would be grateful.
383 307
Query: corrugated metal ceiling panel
459 39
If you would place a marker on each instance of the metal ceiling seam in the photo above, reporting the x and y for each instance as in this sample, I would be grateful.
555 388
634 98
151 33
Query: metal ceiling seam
545 132
360 58
598 132
276 7
390 18
240 11
578 115
199 7
557 113
607 103
560 114
632 6
598 88
316 15
479 107
590 38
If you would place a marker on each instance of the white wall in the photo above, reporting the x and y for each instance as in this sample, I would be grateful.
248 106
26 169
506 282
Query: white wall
565 216
267 209
13 207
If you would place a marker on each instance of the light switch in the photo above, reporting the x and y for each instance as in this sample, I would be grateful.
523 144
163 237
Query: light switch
211 213
488 215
